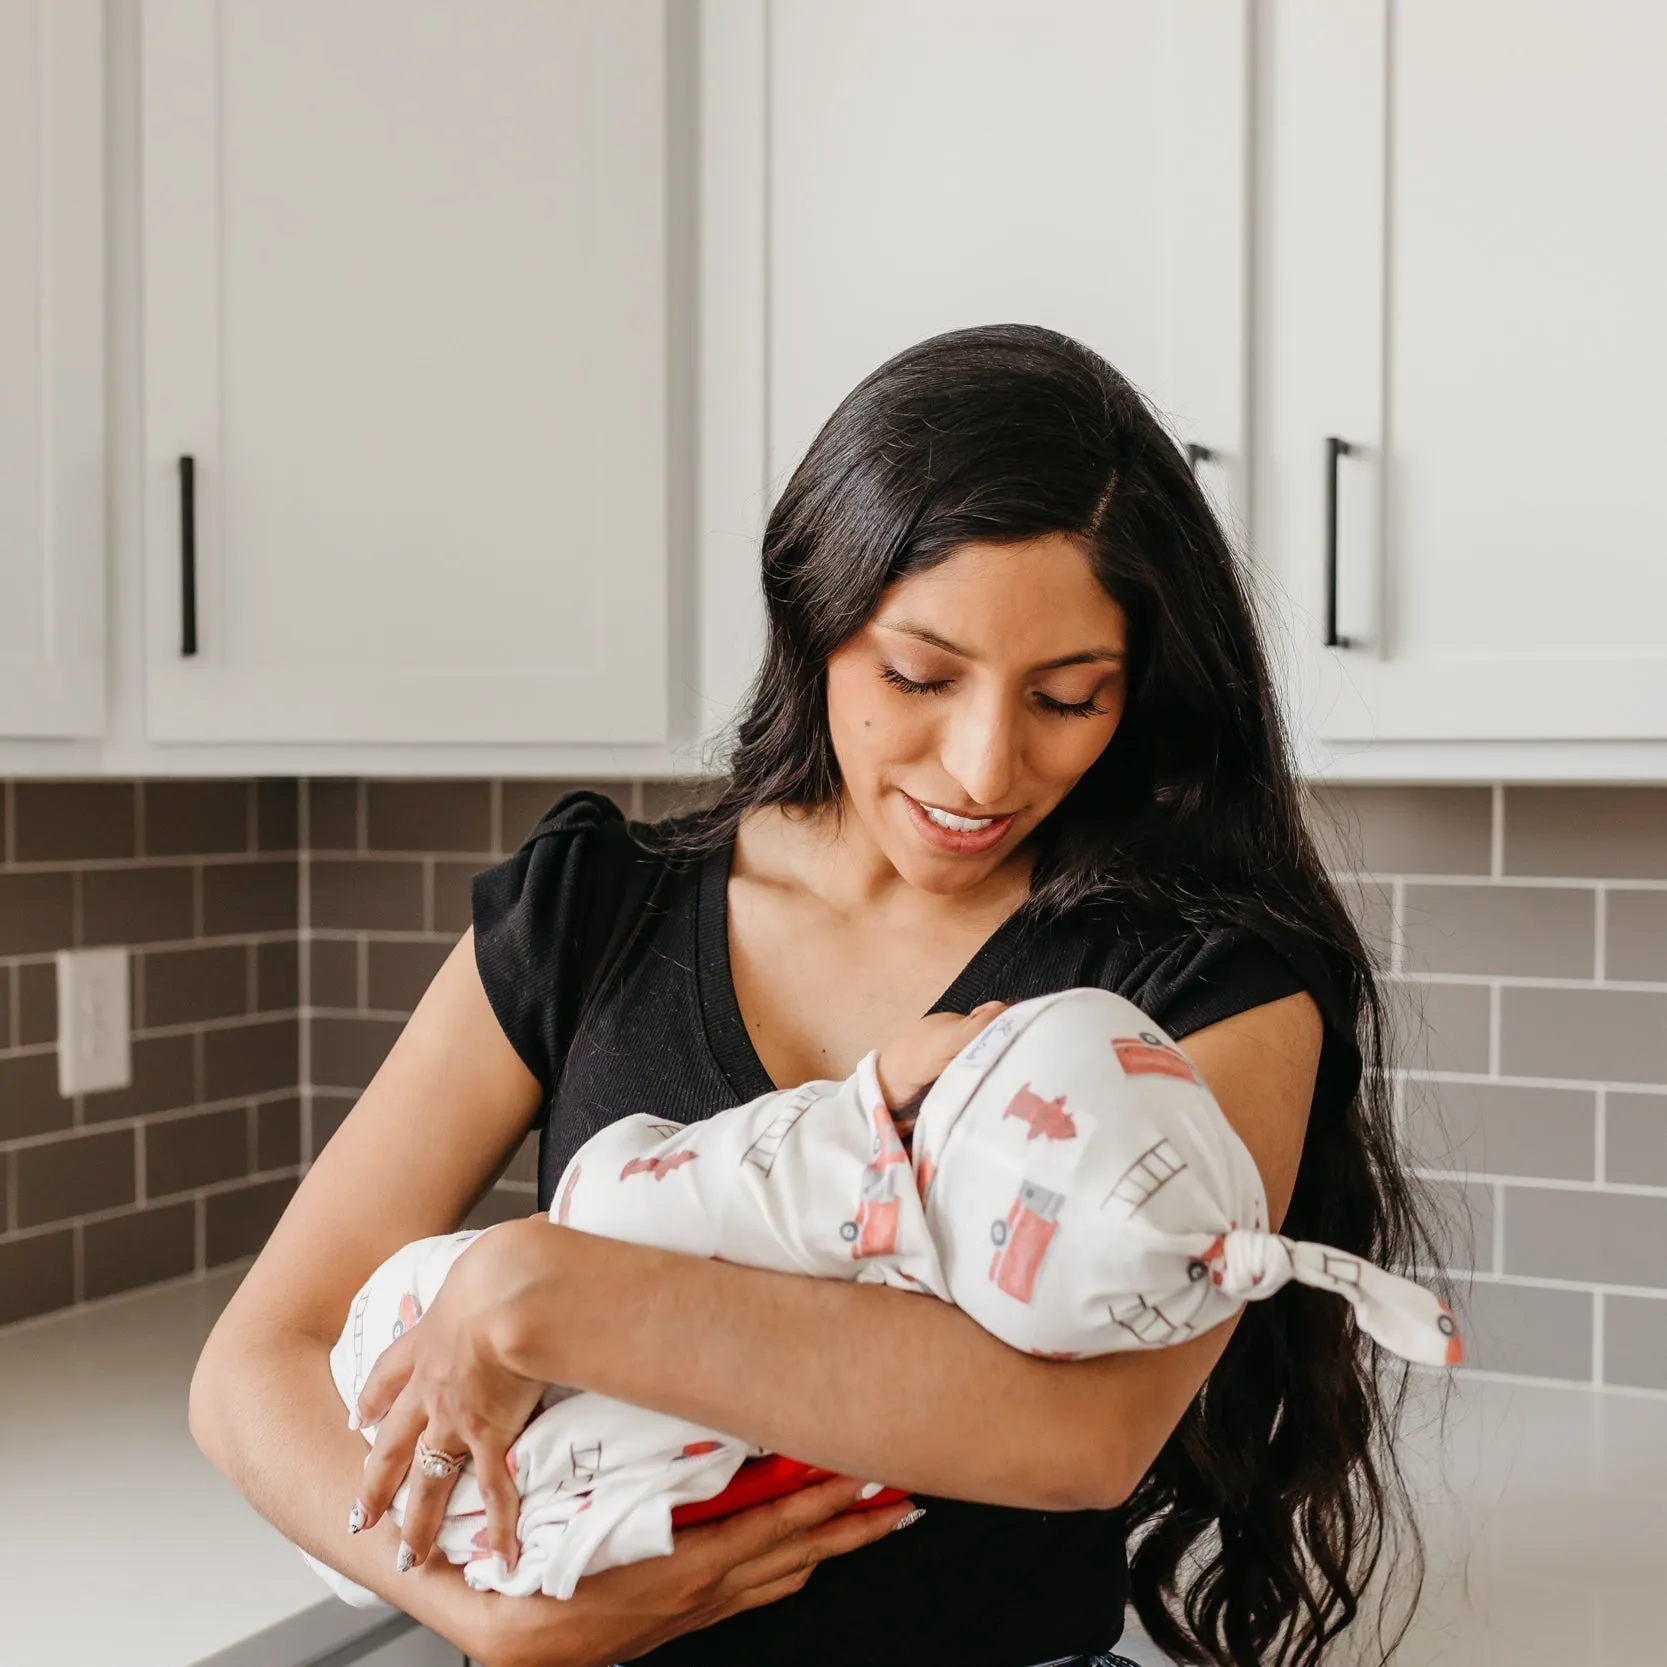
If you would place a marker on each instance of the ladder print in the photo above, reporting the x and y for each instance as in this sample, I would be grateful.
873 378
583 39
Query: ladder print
360 1304
762 1153
586 1461
1158 1164
1149 1323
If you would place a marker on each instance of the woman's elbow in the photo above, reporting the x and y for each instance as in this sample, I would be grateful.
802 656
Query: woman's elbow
208 1401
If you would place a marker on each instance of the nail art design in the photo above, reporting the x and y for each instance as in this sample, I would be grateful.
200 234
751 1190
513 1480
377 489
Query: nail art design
870 1490
356 1518
407 1559
914 1516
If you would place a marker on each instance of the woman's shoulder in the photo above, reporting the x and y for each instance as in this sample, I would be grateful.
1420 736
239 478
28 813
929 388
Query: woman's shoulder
1189 973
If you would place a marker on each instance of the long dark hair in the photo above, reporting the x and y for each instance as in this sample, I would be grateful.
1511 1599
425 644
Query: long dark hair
1257 1530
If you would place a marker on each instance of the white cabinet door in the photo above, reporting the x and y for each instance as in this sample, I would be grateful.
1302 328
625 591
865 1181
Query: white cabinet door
51 368
1081 164
405 312
1467 238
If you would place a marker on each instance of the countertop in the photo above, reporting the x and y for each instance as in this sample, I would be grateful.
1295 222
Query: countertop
1545 1510
119 1543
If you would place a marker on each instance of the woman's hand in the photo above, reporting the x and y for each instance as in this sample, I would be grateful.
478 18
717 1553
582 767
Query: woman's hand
446 1382
715 1570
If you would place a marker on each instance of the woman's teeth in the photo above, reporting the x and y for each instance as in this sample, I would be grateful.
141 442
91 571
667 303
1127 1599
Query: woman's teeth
958 824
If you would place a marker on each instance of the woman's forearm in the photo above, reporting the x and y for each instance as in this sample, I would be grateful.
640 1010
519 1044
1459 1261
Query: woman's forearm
266 1413
862 1379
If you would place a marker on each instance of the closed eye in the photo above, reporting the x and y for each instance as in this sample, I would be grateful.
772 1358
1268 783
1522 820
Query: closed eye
1089 708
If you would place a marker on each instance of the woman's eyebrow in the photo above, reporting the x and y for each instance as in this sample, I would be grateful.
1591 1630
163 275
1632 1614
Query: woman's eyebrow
921 633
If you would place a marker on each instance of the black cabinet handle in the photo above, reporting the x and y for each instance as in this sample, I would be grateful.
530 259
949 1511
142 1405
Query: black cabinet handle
188 555
1334 449
1197 454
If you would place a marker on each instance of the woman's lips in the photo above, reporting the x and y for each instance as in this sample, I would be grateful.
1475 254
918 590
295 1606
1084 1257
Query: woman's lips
952 841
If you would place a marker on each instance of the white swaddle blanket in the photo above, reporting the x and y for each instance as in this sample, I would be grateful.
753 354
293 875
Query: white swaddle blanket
1072 1185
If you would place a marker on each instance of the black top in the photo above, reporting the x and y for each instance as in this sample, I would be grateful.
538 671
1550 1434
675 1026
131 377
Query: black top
974 1585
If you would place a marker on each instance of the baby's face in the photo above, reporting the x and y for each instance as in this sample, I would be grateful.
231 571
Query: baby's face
915 1057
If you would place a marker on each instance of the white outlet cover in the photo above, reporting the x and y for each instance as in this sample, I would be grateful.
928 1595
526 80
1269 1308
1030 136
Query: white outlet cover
95 1049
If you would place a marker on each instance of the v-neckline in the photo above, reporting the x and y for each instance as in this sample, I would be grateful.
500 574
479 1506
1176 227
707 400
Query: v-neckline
720 1009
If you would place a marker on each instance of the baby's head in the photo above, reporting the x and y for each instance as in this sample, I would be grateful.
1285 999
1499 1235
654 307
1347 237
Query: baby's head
915 1057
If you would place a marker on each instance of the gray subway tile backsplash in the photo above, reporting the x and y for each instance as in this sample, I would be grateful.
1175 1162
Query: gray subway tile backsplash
1515 931
1512 1035
1492 1128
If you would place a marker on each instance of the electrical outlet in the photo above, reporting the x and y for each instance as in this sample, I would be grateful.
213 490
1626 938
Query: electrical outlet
94 1030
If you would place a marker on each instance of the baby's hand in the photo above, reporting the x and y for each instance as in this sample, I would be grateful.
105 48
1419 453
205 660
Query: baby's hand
913 1059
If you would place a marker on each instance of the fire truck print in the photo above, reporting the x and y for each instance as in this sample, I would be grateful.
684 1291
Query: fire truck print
874 1230
565 1202
1149 1324
410 1311
658 1167
360 1304
697 1450
585 1461
762 1153
1449 1328
1147 1055
1041 1117
1022 1240
1158 1164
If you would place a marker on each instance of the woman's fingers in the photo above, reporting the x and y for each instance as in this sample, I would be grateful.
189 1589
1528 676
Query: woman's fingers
387 1379
503 1502
426 1500
794 1556
390 1459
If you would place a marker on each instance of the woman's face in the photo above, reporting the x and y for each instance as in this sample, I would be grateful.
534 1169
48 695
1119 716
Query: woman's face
977 695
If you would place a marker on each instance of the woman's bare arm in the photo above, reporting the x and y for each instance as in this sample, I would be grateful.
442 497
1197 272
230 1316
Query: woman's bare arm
875 1382
449 1103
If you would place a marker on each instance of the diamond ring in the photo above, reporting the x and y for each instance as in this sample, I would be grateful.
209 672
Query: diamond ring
438 1465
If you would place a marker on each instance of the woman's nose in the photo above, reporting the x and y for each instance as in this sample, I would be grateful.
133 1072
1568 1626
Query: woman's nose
978 752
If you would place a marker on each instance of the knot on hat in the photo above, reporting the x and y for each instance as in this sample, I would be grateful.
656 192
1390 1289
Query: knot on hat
1249 1265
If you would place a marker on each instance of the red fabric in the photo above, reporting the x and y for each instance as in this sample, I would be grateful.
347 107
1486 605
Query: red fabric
761 1480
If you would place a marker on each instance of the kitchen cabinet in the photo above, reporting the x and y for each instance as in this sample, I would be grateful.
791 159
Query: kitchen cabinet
405 371
1464 234
1081 164
52 351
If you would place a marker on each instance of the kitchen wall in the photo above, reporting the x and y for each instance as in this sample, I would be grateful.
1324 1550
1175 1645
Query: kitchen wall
1524 931
1527 928
189 1167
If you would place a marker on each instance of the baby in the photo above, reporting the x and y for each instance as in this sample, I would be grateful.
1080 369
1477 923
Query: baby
1070 1183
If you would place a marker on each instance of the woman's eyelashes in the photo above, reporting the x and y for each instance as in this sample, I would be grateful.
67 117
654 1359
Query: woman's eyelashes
1089 708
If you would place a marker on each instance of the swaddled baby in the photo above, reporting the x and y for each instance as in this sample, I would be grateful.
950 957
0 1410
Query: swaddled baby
1072 1185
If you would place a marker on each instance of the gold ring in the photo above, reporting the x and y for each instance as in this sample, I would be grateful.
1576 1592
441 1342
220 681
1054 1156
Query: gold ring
438 1465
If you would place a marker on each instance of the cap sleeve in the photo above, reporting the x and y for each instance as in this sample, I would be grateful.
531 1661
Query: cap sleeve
534 916
1200 976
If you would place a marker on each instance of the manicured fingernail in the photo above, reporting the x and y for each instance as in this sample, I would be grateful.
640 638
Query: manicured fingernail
872 1489
406 1560
356 1518
353 1418
914 1516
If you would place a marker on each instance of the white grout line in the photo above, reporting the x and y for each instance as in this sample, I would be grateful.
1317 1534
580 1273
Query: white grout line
1597 1341
1397 925
1600 936
1600 1156
1540 1183
1496 832
1496 1008
1504 882
139 1171
1528 981
1497 1249
1581 1385
1550 1282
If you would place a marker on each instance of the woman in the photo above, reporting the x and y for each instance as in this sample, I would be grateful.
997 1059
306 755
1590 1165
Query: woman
1014 732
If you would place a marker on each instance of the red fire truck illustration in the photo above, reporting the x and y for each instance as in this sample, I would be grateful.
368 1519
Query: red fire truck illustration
658 1167
1147 1055
1449 1328
1022 1240
874 1230
410 1311
697 1449
923 1176
1042 1117
565 1202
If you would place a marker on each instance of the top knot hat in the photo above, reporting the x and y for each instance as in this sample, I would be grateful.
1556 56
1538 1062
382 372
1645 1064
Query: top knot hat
1086 1194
